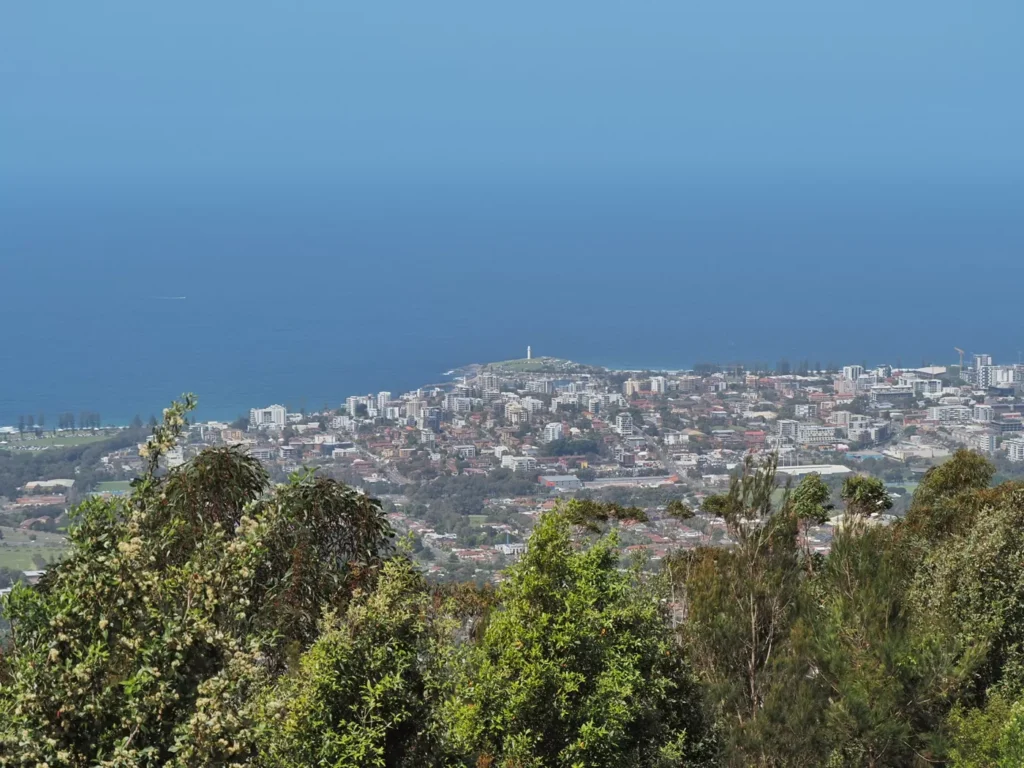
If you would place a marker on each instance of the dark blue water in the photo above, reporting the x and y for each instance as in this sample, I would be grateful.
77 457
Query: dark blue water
305 293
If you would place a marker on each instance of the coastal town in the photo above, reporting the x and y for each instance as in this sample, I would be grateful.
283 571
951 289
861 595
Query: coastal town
464 468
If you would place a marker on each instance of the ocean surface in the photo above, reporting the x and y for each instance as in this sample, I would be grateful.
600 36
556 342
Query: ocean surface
304 293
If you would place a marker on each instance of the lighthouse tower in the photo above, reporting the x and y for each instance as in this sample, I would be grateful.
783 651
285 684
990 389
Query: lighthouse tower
529 353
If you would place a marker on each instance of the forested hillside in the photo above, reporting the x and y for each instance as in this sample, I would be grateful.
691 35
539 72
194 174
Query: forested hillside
212 619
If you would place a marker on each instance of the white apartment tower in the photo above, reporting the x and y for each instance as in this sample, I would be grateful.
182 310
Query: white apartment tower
553 431
624 424
271 417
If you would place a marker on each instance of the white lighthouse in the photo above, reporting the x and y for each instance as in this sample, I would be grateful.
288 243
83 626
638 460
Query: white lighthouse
529 353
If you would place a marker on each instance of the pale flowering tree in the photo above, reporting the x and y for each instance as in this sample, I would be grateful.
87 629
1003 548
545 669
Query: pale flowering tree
151 643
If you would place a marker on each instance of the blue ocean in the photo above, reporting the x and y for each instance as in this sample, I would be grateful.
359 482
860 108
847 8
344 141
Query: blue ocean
117 297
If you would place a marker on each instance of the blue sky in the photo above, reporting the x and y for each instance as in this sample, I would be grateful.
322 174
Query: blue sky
272 89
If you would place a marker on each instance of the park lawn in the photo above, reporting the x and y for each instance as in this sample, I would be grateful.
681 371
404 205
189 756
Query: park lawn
910 487
53 441
114 486
20 558
477 519
18 536
534 365
17 548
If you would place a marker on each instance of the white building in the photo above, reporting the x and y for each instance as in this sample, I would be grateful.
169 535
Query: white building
983 441
624 424
983 414
457 404
997 376
1014 448
383 398
553 431
841 418
352 403
806 410
922 387
852 372
814 434
518 463
950 414
631 387
787 428
271 417
533 405
658 385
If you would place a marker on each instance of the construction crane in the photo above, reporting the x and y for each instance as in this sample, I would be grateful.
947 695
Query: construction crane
961 361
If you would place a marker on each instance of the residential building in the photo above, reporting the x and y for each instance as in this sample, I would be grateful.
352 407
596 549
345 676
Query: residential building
983 441
632 387
1005 426
814 434
553 431
950 414
515 414
518 463
658 385
1014 448
540 386
271 417
457 404
806 410
983 414
787 428
533 405
624 424
841 418
899 396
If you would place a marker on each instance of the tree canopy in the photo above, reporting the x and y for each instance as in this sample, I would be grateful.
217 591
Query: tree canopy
212 618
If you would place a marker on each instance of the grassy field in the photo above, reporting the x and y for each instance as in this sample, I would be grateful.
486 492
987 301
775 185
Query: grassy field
17 548
24 442
910 487
114 486
477 519
537 365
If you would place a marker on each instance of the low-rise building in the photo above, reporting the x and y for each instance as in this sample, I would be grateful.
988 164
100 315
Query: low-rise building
561 482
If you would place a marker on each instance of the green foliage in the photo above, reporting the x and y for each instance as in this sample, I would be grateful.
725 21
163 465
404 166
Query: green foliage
365 692
591 514
883 687
573 446
145 646
678 510
945 501
741 602
812 500
213 619
989 737
970 587
865 496
577 667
